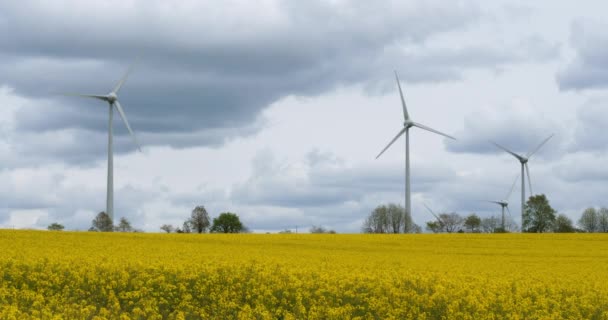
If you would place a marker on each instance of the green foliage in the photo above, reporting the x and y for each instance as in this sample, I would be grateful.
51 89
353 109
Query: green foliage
473 223
434 226
227 222
539 216
102 222
55 227
124 226
563 224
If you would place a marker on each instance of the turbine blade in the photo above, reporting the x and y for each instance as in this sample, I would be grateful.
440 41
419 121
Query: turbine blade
433 213
512 187
508 151
392 141
539 146
497 202
421 126
529 180
124 78
124 118
94 96
406 116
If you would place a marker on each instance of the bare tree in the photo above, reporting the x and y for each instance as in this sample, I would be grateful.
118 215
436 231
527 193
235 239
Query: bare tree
389 218
167 228
603 219
124 226
490 224
199 220
452 222
589 220
320 229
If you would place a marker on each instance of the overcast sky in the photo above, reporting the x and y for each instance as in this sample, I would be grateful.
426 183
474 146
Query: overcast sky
276 110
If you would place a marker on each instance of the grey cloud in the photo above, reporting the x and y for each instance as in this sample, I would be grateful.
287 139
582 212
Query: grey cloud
328 182
518 131
582 167
591 124
205 70
589 69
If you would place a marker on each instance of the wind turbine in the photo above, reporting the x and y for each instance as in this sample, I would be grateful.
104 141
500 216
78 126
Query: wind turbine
112 100
505 203
524 165
407 124
441 224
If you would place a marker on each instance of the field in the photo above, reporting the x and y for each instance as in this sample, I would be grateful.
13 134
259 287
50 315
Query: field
67 275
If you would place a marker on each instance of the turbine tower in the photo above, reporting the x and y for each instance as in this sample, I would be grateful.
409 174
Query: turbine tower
112 100
407 124
505 203
524 165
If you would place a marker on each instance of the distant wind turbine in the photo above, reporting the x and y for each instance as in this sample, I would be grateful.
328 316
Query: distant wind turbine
112 100
407 124
441 223
505 203
524 164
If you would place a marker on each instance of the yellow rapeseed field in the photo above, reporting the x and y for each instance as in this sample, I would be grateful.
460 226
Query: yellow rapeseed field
87 275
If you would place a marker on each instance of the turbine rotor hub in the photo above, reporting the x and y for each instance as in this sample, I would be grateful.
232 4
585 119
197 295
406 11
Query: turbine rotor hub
112 97
408 124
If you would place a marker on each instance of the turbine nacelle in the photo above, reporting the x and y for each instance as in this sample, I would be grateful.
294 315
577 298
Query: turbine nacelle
112 97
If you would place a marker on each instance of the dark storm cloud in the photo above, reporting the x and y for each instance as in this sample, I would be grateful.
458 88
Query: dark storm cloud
589 68
205 69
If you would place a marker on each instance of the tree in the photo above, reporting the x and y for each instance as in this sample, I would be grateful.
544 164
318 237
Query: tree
451 222
563 224
124 225
55 227
472 222
320 229
186 227
199 220
589 220
490 224
102 222
538 215
227 222
167 228
603 220
434 226
390 218
376 222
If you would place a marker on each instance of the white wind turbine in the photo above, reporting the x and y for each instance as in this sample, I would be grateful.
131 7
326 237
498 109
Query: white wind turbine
524 165
505 203
407 124
112 100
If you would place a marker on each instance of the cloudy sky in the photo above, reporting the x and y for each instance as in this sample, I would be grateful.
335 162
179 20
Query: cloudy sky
276 110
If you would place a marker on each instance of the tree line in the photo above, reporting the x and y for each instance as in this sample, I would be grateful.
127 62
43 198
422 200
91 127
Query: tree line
538 217
199 222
